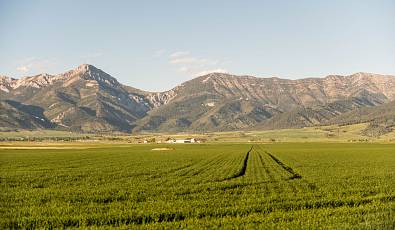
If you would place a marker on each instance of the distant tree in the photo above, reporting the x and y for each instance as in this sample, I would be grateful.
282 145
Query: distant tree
152 140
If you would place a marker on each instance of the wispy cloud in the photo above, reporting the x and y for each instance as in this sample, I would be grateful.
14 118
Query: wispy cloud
205 72
179 54
187 60
183 69
23 69
34 65
192 65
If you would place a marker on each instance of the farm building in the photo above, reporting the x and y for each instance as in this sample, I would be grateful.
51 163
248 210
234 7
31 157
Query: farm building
188 140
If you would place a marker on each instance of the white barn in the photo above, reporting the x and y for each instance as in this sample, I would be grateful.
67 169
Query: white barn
178 141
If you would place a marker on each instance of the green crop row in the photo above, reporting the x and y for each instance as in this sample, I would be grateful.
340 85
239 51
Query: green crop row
347 186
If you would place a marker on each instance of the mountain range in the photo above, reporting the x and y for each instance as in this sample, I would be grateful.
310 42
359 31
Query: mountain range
87 99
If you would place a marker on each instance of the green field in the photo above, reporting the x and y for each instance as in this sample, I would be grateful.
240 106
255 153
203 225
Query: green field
279 185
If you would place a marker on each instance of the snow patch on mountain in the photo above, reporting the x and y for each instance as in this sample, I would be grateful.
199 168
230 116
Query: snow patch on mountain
206 79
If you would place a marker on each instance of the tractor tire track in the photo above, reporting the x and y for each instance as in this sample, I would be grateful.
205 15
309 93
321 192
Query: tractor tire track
243 168
294 175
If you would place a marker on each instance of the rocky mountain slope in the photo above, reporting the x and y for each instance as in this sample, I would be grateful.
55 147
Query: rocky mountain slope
381 118
225 102
89 100
14 115
84 99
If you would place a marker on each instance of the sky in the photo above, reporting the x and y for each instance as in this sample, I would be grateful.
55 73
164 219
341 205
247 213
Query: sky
155 45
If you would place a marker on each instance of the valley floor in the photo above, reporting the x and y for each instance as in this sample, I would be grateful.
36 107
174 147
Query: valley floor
225 185
340 134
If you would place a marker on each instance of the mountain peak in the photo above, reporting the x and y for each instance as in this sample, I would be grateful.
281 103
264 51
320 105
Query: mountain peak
90 72
83 68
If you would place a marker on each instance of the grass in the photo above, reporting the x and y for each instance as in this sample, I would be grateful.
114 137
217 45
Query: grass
338 185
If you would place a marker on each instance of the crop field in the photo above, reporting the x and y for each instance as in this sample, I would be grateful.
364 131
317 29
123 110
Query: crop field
275 186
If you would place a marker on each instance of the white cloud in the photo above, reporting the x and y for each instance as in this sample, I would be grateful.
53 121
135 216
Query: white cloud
205 72
183 69
194 66
34 65
23 69
185 60
179 54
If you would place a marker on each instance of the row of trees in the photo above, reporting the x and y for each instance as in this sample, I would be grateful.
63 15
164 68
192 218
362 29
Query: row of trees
44 138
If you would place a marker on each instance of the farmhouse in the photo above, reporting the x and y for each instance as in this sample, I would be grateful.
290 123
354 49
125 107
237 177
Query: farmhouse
187 140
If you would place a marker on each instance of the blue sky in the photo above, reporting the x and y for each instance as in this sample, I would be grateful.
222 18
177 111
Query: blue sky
155 45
